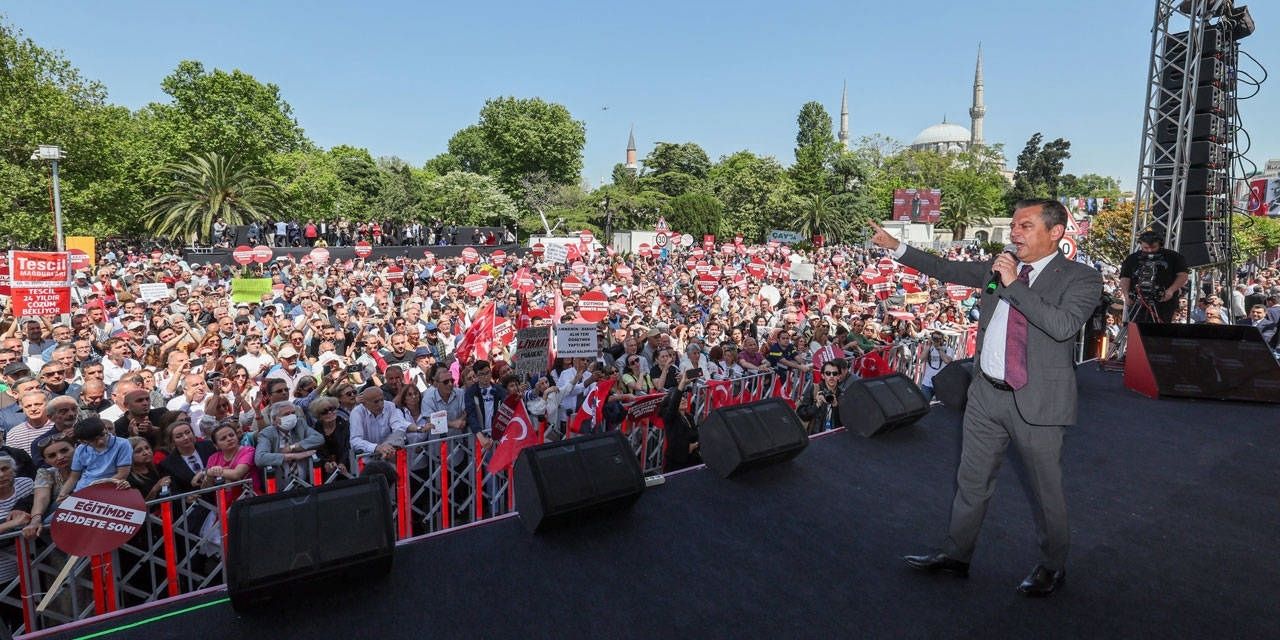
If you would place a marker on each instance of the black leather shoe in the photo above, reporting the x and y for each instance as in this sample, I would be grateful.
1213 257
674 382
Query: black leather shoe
938 563
1042 582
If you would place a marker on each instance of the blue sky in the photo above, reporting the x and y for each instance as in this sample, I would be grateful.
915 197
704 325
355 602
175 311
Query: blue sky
399 78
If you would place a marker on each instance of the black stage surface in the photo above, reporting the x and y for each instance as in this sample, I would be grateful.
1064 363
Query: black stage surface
1174 523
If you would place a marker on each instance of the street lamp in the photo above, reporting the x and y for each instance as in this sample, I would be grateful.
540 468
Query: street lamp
53 154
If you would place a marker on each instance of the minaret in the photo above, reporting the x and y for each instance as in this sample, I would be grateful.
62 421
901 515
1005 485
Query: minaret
631 150
844 116
977 111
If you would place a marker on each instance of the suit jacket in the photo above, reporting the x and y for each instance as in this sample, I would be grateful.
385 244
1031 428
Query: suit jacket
175 467
1056 306
474 403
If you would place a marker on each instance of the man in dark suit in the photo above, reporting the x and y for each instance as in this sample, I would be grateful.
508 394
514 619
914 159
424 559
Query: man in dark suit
1024 390
482 400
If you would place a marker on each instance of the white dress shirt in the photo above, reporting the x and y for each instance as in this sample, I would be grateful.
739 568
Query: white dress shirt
369 430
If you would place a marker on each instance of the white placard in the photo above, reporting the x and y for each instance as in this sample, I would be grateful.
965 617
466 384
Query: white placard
439 423
556 253
801 271
153 291
577 341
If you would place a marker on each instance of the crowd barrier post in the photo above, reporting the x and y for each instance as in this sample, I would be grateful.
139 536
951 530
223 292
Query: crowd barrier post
405 510
445 515
478 456
24 582
170 547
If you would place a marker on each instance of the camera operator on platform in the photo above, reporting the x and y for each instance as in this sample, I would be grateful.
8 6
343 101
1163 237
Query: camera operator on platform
1151 279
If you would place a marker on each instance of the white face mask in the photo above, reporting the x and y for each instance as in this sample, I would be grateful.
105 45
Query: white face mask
288 421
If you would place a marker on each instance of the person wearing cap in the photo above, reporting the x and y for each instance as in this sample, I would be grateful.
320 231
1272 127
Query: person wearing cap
1151 279
424 358
290 369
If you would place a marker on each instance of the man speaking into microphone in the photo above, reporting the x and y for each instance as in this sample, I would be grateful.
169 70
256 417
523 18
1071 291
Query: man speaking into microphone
1024 390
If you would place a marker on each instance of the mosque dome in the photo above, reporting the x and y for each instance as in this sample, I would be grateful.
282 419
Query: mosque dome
943 137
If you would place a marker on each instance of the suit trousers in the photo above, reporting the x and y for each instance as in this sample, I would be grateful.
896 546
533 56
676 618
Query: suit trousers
991 421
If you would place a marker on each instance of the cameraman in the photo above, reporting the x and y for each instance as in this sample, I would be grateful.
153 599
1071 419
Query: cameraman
937 356
1150 279
821 409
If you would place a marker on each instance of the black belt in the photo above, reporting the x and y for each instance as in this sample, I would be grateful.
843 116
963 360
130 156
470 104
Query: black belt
996 382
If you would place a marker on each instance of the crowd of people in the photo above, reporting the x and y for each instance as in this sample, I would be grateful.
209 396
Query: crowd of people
190 389
345 233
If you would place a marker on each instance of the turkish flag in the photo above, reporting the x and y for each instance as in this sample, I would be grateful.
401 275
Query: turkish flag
478 339
592 407
719 393
910 286
518 432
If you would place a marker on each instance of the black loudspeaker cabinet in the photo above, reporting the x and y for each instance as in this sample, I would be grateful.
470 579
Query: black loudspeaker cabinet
951 384
1210 361
277 541
561 481
879 405
742 437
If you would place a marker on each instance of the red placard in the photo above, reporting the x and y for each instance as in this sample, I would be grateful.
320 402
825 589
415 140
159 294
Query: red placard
242 254
707 285
645 250
586 237
429 255
524 282
476 285
837 259
570 285
698 253
395 272
623 271
593 306
262 254
702 267
756 269
79 259
709 242
498 257
728 249
470 255
97 519
363 249
730 271
538 249
958 292
4 278
579 267
40 282
785 250
319 255
690 263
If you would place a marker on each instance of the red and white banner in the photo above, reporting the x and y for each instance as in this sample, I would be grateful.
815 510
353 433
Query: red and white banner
517 429
958 292
40 282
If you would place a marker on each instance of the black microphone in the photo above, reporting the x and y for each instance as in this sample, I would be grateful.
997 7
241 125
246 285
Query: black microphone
994 283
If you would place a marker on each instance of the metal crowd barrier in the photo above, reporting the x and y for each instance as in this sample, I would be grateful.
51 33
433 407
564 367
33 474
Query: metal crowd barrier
177 550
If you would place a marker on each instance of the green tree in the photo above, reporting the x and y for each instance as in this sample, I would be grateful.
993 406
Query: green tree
361 179
1039 172
518 136
756 192
311 187
815 148
972 192
1253 237
467 198
836 217
442 164
232 114
687 158
694 213
398 197
1110 236
208 187
1089 185
45 100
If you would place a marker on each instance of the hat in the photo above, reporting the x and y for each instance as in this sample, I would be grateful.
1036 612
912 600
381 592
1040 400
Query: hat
135 325
423 352
431 326
242 305
287 351
653 332
16 369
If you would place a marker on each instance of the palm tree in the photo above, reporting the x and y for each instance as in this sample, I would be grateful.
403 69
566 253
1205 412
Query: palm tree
835 217
966 201
206 187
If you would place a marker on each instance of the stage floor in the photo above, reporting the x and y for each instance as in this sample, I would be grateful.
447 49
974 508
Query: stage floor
1173 509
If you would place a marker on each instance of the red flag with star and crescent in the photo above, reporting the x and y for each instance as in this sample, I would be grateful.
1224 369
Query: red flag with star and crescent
518 432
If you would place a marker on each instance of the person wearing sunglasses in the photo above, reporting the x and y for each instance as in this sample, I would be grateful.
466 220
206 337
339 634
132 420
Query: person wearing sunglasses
821 408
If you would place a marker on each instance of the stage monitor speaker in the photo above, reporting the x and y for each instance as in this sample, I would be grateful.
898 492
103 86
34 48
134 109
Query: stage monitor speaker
292 538
742 437
561 481
1213 361
951 385
879 405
